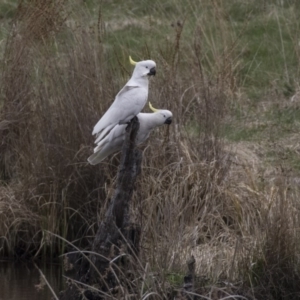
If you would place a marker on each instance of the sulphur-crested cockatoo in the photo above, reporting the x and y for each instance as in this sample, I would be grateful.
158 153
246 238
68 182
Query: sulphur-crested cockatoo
114 140
129 101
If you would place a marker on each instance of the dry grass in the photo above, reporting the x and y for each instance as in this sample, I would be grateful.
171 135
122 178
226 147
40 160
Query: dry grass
196 194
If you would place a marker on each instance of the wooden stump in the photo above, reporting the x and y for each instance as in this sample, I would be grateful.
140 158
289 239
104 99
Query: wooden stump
116 238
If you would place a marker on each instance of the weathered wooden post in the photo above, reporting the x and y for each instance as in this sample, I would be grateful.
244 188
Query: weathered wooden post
115 232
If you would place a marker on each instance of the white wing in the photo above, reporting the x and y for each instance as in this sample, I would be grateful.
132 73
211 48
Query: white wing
128 103
110 144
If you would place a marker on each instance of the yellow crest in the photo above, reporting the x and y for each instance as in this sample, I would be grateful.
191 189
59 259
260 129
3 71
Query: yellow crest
152 108
132 61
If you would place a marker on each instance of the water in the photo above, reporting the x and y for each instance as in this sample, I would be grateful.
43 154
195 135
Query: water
19 281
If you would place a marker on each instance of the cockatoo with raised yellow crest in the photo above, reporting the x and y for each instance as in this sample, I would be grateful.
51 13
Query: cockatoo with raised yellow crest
129 101
114 140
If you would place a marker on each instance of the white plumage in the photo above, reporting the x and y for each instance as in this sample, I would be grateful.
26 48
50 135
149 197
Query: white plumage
114 140
129 101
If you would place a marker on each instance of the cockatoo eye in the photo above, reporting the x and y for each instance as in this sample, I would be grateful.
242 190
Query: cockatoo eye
146 67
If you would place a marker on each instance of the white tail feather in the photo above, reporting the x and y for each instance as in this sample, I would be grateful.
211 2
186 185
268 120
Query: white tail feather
104 132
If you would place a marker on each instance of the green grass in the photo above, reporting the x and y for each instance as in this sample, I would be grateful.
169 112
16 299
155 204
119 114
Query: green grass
273 124
266 35
287 117
239 133
7 9
265 32
175 279
293 160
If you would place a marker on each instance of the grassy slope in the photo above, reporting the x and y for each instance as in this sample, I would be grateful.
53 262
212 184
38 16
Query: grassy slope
266 55
252 47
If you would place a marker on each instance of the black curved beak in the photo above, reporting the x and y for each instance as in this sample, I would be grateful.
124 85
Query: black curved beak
168 121
152 72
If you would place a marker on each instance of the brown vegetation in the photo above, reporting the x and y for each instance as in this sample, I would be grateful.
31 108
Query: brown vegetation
194 196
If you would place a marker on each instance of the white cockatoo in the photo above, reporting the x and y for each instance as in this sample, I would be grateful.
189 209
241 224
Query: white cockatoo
114 140
129 101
